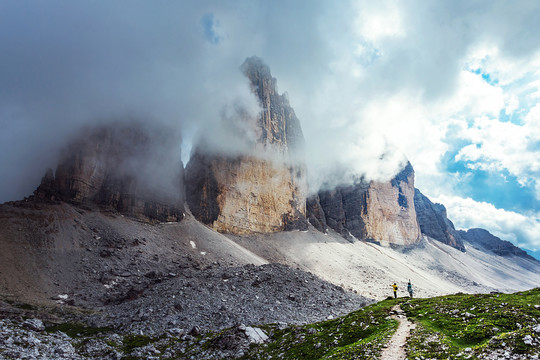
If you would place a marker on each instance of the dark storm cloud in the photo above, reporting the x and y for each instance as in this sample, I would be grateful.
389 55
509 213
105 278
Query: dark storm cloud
66 63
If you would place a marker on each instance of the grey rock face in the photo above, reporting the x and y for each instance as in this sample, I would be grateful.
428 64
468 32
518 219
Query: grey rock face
434 223
278 122
343 209
260 186
372 211
127 166
487 241
315 213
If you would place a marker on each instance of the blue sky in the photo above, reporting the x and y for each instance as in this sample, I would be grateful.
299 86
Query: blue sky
452 86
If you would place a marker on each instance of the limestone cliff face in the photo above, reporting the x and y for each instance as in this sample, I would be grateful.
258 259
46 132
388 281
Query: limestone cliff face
263 191
434 223
382 212
124 166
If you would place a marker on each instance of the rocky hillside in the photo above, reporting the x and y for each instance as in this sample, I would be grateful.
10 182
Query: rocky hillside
261 192
434 222
126 166
487 327
382 212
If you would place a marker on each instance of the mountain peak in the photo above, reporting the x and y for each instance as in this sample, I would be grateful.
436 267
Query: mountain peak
248 193
255 66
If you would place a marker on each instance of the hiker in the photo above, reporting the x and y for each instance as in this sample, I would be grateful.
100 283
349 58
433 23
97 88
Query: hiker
395 290
409 289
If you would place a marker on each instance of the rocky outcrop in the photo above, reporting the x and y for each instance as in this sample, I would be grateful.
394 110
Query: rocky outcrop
126 166
434 222
264 189
279 127
382 212
485 240
315 212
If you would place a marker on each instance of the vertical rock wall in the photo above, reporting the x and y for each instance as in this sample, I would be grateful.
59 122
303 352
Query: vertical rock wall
382 212
127 166
434 223
261 191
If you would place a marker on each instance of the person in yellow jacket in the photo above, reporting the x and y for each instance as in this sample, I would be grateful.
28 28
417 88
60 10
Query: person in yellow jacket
395 290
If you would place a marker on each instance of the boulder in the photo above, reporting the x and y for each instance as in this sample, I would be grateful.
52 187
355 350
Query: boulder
33 324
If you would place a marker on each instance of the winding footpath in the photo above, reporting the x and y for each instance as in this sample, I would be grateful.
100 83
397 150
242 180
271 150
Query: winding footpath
395 349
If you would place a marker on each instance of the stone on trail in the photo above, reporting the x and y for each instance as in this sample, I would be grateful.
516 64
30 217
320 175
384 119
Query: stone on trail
256 335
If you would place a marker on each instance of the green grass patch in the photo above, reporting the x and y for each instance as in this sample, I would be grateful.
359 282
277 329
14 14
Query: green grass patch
75 330
359 334
133 341
466 326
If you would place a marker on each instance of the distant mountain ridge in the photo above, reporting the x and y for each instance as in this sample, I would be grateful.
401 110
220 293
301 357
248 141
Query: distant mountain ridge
484 239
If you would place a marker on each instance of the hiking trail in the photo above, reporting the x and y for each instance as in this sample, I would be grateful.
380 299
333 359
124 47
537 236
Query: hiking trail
395 348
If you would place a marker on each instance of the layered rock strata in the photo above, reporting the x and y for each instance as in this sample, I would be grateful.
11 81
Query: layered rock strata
127 166
264 189
434 223
381 212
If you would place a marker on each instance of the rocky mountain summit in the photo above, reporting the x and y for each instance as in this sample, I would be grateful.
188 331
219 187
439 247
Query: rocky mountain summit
123 165
108 240
382 212
259 187
261 192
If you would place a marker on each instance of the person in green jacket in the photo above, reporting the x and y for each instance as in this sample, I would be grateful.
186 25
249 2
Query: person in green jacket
409 289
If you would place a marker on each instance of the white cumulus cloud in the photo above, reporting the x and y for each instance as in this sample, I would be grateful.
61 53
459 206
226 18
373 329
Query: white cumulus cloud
520 229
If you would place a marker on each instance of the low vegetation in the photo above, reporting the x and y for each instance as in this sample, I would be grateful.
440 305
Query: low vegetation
460 326
361 334
475 326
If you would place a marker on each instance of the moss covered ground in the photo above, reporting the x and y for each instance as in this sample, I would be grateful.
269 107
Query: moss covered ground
460 326
359 335
474 326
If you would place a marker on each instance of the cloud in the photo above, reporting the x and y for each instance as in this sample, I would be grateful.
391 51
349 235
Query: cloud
520 229
503 146
65 66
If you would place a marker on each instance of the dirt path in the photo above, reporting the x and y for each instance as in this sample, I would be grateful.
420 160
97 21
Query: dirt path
395 349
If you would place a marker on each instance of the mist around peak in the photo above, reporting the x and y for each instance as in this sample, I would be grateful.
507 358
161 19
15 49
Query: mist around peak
119 162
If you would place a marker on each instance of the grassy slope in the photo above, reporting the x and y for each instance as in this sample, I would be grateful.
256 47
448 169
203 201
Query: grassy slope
458 326
360 334
455 326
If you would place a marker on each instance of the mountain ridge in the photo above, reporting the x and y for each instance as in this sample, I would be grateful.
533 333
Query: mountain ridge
262 192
